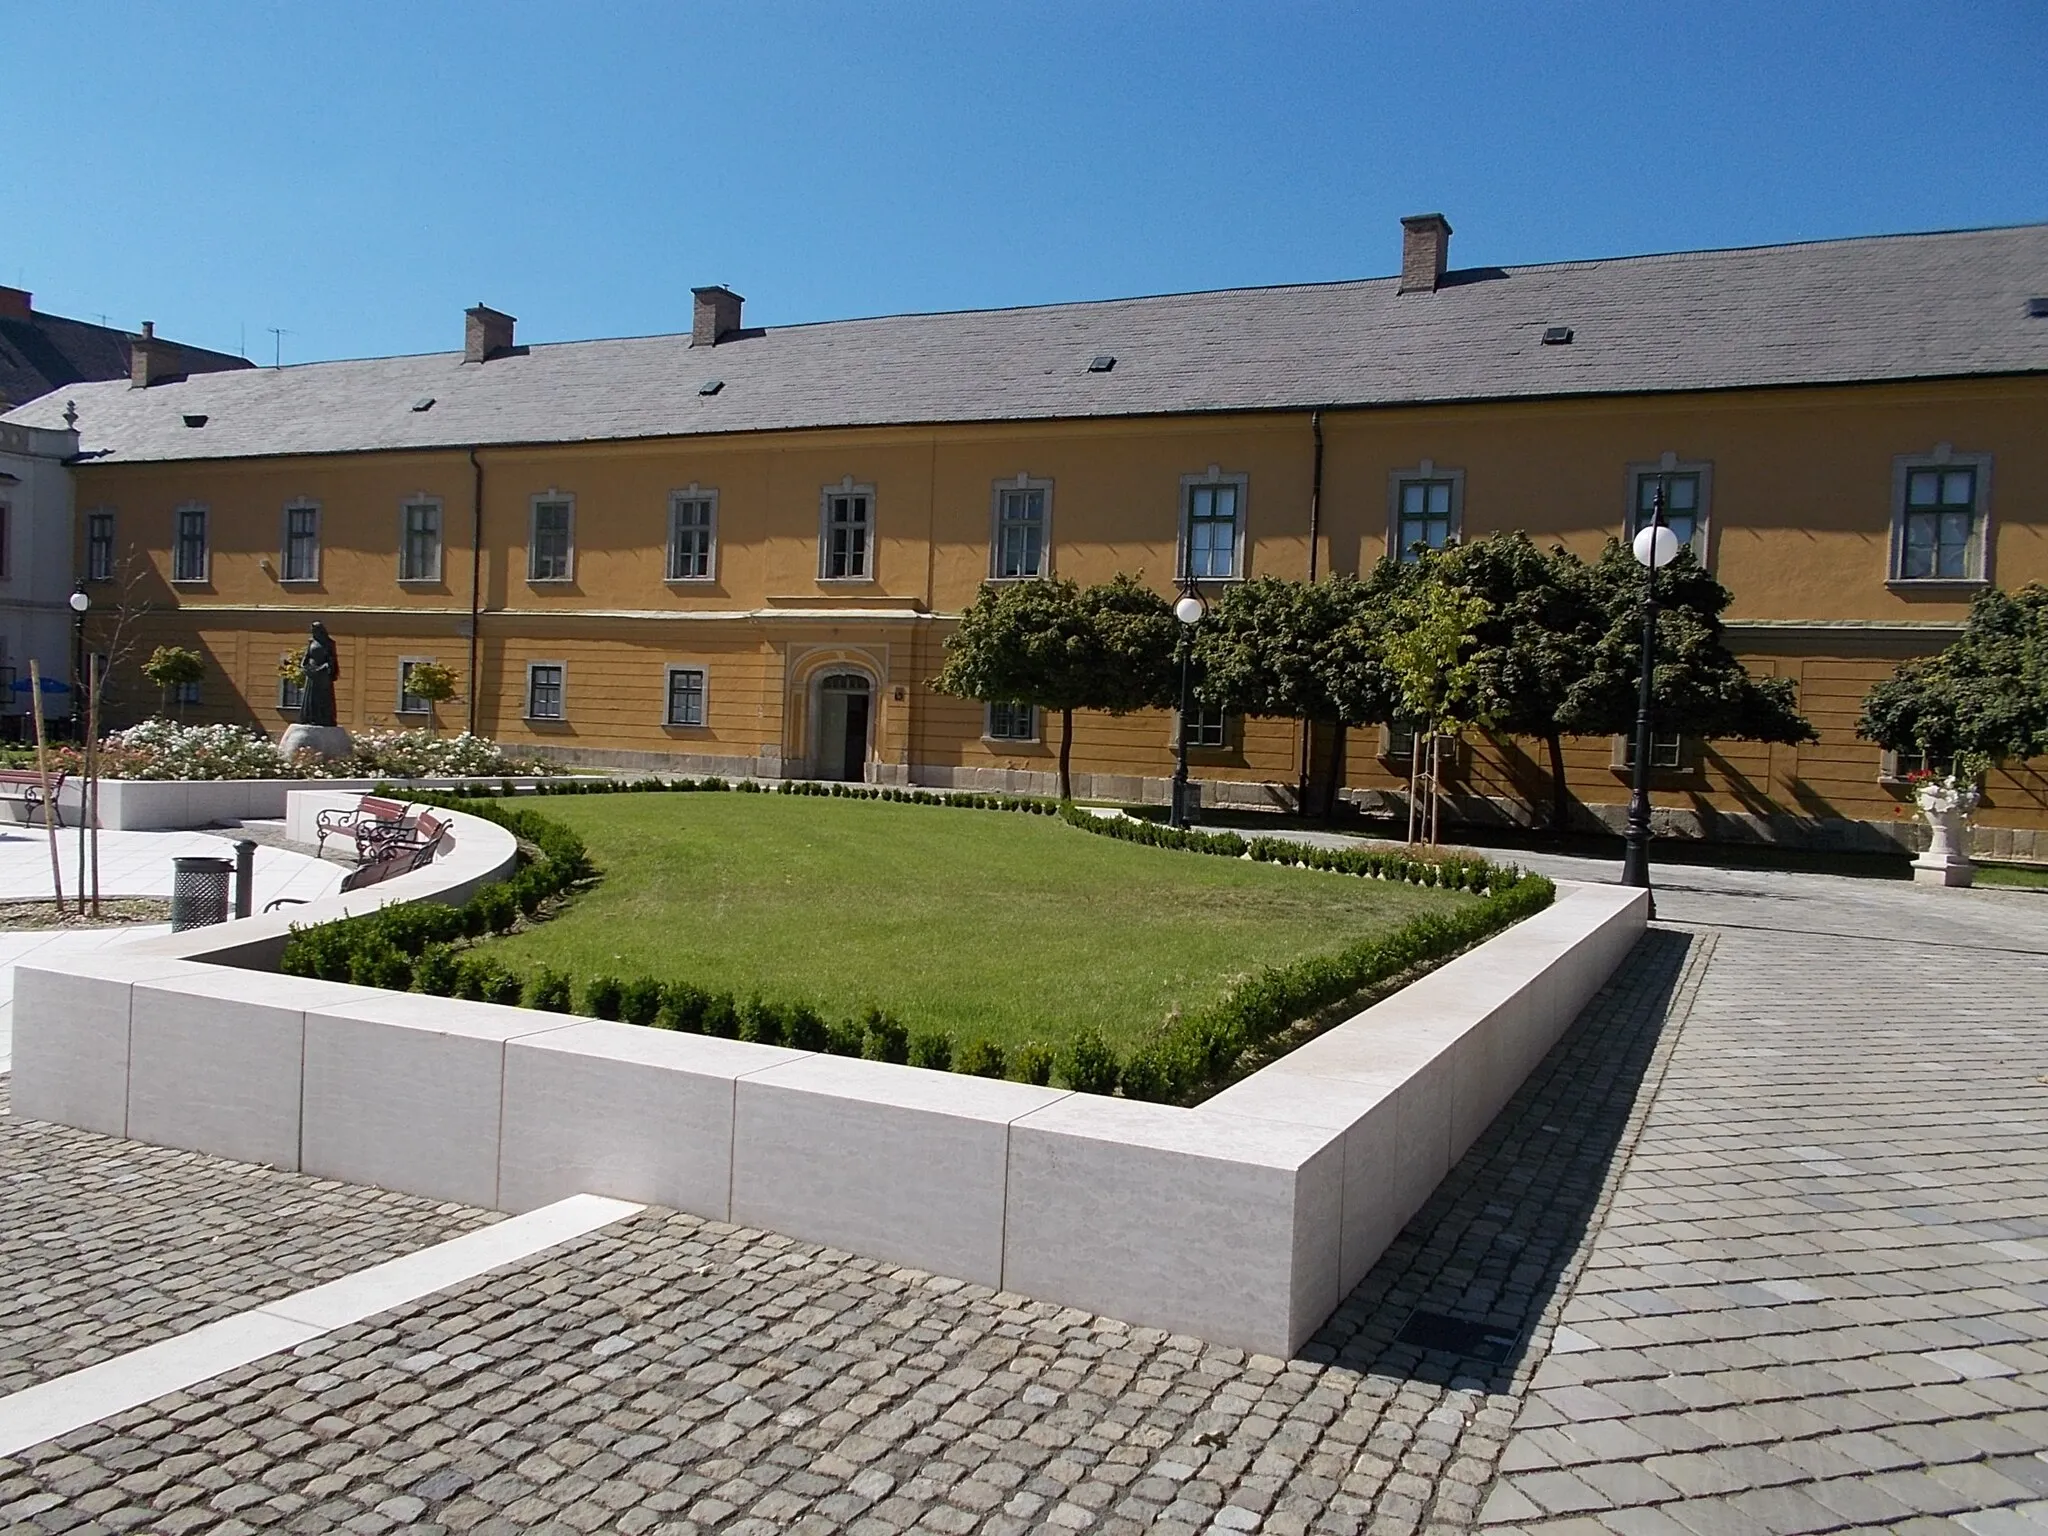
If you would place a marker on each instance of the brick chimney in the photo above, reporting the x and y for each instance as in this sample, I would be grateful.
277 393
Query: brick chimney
1425 251
149 360
717 316
14 303
486 334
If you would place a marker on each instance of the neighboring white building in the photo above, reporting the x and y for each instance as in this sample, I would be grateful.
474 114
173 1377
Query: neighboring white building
37 574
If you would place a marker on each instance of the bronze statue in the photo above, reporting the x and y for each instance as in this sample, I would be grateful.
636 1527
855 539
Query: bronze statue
322 671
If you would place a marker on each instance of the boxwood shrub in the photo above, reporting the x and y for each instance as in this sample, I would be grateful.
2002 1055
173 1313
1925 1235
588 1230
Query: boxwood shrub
416 946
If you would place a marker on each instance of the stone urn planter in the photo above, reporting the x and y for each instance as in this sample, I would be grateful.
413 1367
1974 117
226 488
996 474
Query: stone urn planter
1947 803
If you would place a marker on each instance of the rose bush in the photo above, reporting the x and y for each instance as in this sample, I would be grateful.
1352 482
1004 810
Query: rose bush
164 749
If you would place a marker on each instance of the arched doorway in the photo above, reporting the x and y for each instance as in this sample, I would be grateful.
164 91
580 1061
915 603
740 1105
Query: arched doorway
845 717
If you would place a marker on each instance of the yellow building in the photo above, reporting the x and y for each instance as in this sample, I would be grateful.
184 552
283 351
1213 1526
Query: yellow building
740 550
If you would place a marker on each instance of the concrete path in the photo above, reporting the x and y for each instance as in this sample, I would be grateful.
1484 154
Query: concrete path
131 864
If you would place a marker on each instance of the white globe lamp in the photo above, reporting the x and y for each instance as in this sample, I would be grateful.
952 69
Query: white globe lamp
1656 546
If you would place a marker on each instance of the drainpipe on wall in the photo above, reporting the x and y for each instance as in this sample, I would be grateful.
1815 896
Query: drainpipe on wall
1315 535
476 577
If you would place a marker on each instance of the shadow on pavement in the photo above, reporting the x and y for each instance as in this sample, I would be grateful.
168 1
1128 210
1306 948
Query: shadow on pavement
1454 1299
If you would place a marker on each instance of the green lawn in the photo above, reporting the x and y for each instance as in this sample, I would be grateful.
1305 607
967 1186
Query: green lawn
2032 876
1011 926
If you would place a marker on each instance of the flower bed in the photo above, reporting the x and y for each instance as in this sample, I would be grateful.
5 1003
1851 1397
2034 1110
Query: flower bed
166 750
421 949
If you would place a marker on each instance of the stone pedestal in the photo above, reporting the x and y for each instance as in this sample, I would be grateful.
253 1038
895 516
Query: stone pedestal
1944 862
325 740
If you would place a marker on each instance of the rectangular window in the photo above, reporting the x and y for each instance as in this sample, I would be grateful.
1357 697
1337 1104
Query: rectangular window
1009 720
419 548
1683 507
410 703
685 696
1939 524
1399 741
99 546
290 695
544 690
1211 535
1665 751
186 693
1208 727
188 559
1427 517
302 543
691 524
1020 531
550 552
849 536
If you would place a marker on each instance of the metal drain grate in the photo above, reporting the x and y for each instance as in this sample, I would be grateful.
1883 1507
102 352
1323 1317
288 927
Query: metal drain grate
1457 1336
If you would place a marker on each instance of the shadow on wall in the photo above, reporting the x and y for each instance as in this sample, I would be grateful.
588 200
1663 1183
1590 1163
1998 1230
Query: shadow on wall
1456 1296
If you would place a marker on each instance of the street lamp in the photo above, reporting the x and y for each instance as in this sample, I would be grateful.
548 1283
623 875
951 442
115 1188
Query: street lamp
80 601
1190 610
1655 545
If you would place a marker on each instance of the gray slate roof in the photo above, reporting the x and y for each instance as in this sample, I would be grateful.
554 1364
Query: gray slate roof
1892 307
48 352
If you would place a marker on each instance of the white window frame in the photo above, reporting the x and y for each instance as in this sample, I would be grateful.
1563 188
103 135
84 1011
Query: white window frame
1034 717
405 511
284 554
1023 482
668 685
561 688
205 544
1977 557
692 492
405 664
1223 716
97 516
846 487
1214 475
1668 753
1702 514
550 498
1428 471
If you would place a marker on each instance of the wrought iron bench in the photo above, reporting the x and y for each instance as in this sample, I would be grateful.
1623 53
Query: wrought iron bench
29 783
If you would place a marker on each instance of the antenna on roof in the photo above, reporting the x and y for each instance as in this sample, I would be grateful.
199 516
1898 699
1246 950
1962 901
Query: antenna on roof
277 336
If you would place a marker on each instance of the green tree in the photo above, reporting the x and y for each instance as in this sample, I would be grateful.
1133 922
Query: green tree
1698 687
171 667
1534 648
1981 700
431 681
1428 649
1299 651
1028 641
1050 644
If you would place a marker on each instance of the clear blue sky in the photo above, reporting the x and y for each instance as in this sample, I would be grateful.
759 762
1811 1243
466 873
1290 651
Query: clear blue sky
359 173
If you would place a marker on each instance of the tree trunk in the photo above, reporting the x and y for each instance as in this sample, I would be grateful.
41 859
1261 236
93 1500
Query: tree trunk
1560 801
1066 754
1333 795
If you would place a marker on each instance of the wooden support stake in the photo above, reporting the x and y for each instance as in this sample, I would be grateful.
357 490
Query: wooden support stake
35 693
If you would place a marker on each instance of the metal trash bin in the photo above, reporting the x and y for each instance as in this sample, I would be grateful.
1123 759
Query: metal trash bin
199 892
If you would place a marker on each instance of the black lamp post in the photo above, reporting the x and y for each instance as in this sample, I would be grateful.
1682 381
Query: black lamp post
1654 545
1190 610
80 601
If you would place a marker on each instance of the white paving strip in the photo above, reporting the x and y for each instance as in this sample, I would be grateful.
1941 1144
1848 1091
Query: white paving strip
53 1408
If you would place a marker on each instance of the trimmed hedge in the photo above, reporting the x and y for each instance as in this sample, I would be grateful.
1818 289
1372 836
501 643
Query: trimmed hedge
413 946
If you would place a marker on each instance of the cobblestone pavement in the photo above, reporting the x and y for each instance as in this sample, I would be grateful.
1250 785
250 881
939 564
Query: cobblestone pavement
1762 1247
1820 1299
676 1375
107 1245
